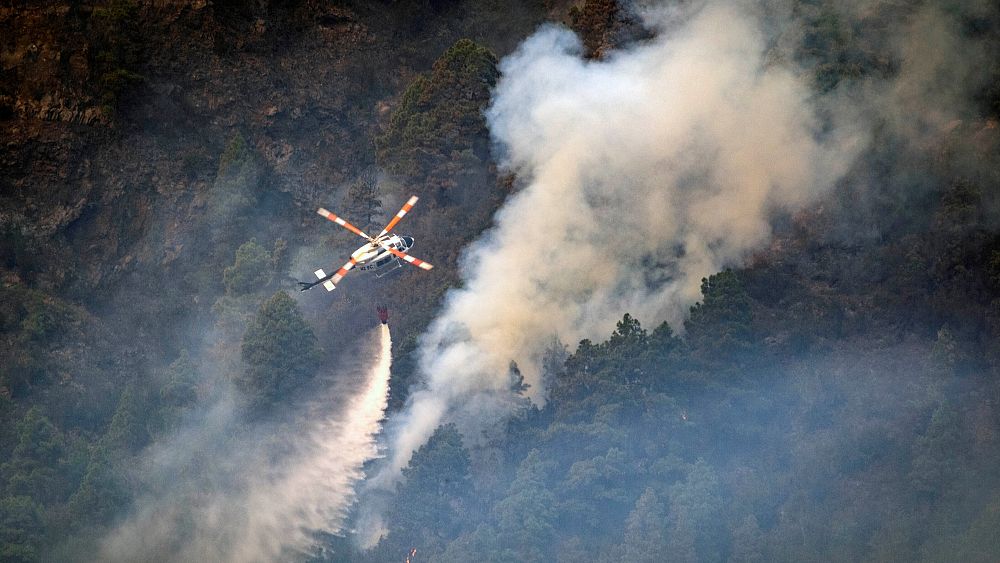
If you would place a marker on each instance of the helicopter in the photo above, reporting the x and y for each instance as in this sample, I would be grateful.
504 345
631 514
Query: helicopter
377 253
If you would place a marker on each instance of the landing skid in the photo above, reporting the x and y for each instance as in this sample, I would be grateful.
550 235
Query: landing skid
398 265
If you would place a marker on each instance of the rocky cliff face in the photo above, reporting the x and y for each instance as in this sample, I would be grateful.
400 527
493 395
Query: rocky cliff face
114 114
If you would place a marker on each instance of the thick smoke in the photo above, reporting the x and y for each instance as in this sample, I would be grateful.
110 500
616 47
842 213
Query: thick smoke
273 489
642 174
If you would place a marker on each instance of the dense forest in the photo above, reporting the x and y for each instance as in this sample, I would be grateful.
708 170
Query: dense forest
833 394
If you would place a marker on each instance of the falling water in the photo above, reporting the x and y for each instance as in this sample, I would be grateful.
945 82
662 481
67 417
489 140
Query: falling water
316 494
275 490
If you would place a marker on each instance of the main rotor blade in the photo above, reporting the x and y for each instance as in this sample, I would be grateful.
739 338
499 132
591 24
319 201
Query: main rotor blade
335 278
415 261
340 221
406 208
330 281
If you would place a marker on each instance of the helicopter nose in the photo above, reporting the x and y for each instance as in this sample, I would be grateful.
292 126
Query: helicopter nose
408 241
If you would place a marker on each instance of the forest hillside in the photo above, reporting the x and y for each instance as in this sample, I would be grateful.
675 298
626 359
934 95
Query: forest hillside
711 283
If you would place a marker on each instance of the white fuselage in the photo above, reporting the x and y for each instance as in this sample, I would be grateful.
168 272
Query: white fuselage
372 256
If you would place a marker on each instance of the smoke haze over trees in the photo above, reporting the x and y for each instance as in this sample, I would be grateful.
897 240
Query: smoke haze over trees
714 281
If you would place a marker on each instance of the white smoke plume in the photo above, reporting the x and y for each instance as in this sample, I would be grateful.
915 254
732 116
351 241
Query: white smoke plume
267 507
642 174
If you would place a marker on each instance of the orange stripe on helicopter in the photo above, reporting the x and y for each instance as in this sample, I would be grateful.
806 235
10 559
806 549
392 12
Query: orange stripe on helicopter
399 215
336 219
343 271
415 261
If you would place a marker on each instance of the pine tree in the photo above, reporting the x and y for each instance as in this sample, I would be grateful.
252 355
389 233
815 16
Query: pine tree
279 351
32 469
427 509
126 433
251 271
439 119
645 540
719 326
21 529
526 516
695 513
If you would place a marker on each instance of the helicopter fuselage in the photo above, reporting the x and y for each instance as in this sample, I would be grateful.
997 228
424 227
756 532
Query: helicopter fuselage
379 251
372 256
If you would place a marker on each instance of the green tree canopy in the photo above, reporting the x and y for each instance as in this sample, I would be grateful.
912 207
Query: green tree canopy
695 508
719 325
251 270
440 115
127 432
645 540
526 517
21 529
279 352
427 509
32 470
